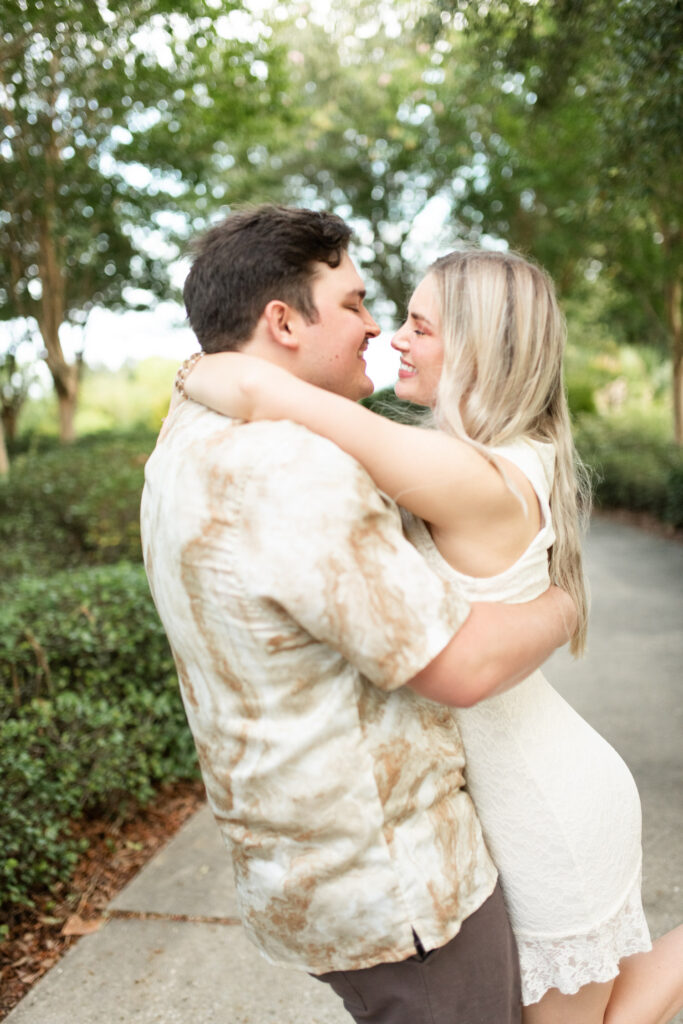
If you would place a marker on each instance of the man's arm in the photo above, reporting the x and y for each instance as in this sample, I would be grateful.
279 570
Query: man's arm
496 647
339 565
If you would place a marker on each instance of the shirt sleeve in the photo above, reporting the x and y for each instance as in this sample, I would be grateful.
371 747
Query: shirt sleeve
322 543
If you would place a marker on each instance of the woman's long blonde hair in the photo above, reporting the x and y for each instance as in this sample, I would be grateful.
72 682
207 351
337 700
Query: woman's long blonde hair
504 338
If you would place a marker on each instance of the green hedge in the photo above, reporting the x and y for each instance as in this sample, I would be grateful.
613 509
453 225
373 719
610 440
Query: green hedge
632 469
91 719
73 505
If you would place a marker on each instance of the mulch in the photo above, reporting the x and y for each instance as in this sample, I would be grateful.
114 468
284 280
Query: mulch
116 852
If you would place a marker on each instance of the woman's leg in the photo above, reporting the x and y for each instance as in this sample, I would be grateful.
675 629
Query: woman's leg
649 987
587 1006
647 990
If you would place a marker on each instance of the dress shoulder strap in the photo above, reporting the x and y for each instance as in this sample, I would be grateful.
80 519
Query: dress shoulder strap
536 459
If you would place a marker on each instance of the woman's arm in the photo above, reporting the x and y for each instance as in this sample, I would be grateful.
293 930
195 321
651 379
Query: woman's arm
433 475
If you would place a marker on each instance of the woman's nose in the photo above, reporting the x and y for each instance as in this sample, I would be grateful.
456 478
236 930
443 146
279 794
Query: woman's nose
399 340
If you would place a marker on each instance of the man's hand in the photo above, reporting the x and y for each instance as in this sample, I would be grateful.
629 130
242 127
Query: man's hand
498 646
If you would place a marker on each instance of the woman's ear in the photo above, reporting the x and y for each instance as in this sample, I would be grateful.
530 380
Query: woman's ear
281 320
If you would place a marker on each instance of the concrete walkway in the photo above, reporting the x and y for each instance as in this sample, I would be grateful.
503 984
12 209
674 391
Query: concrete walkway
173 952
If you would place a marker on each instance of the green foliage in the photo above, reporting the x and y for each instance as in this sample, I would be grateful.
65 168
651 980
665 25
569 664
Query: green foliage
387 404
71 632
673 509
633 469
582 145
73 505
132 398
581 394
90 716
382 169
93 97
110 117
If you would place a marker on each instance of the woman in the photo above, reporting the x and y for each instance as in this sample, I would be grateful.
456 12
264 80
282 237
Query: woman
491 500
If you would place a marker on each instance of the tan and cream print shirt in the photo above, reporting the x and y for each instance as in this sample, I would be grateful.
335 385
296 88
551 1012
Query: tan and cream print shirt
296 611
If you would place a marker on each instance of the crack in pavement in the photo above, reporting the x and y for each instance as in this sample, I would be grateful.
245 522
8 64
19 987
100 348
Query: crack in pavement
151 915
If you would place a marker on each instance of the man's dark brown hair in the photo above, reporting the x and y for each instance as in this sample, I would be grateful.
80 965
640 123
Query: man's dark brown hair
251 258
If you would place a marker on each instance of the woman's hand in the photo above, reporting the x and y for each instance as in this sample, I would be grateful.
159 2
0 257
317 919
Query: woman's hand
230 383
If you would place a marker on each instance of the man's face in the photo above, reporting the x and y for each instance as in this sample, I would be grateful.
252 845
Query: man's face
331 351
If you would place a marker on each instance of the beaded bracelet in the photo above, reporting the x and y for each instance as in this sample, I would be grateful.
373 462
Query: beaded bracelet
181 375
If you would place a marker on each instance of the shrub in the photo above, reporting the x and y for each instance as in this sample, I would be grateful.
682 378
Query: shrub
72 505
632 469
580 395
385 403
673 510
90 716
93 630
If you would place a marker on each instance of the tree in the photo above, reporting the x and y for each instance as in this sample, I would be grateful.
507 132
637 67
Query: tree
582 146
15 380
365 134
110 114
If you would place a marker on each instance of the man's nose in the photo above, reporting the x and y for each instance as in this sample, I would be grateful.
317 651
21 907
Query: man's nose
372 329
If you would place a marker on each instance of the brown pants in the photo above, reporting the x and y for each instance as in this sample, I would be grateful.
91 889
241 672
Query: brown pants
473 979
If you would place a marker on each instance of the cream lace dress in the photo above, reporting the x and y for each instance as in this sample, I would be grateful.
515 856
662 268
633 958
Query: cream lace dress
559 808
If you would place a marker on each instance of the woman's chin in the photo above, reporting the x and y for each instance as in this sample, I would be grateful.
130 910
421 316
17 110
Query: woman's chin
402 390
407 392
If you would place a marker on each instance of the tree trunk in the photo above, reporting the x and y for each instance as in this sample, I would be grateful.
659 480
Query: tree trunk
675 317
9 422
4 460
678 395
65 375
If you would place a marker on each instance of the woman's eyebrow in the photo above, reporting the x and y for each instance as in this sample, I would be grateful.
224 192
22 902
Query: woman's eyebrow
420 316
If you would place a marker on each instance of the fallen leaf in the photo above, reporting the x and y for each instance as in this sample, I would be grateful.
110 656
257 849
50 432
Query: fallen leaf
75 925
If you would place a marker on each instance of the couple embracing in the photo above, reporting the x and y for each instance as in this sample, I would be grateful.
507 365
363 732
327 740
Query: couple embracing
358 609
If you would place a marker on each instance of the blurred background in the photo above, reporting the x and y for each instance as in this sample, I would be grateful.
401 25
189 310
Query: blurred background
549 126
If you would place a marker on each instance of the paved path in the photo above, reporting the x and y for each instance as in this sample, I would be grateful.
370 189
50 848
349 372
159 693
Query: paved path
173 951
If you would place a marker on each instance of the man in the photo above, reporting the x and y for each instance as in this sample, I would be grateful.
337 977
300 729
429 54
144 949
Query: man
308 634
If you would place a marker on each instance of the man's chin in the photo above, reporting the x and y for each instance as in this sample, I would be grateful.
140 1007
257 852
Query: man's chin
366 390
363 389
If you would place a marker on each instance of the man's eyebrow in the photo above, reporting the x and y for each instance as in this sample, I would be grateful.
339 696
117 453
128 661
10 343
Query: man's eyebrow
360 292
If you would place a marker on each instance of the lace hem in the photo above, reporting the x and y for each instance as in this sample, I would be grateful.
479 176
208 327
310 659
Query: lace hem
569 963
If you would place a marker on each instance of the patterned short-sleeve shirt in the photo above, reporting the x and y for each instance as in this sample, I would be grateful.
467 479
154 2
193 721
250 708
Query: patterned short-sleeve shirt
296 611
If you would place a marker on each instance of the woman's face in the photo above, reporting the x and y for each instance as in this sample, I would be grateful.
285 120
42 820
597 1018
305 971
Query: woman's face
420 346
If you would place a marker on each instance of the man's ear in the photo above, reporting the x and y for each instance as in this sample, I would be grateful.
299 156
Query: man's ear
281 320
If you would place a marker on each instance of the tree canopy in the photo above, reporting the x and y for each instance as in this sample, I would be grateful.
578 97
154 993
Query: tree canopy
583 147
110 113
553 127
